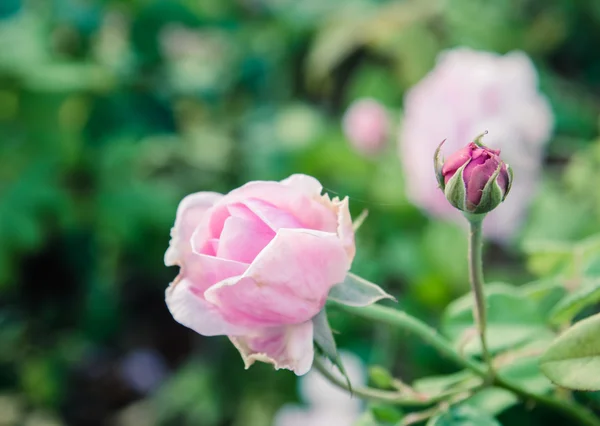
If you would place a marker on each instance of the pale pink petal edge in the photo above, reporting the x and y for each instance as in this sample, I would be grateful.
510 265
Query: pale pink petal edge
198 199
196 313
299 348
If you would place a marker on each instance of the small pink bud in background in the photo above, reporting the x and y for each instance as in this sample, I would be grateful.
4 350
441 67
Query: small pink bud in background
474 179
366 125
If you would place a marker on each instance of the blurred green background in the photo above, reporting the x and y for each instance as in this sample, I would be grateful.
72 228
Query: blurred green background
112 110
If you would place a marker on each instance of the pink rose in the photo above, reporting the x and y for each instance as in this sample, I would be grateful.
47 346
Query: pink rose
257 265
467 93
366 126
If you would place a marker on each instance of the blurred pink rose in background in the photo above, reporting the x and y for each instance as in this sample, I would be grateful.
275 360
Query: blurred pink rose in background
467 93
325 403
257 265
366 125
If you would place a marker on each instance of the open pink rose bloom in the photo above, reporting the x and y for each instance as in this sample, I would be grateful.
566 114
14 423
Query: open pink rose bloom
257 265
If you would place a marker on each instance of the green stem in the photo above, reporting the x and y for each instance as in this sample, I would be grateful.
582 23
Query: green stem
476 280
392 397
416 327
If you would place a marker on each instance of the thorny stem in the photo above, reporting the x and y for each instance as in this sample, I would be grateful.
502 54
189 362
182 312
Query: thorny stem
405 322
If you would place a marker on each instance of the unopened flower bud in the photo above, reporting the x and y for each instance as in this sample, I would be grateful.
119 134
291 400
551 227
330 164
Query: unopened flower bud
474 179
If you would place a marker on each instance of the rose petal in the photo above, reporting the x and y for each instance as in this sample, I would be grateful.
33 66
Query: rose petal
345 229
190 310
287 283
289 347
272 216
456 161
190 212
205 270
243 239
479 176
304 183
291 199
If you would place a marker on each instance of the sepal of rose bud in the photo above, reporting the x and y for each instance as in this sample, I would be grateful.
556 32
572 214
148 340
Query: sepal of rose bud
491 196
456 191
438 164
510 177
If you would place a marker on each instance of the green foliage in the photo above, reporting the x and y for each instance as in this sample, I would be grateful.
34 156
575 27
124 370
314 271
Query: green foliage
386 415
439 385
463 415
512 320
572 304
187 397
380 377
573 359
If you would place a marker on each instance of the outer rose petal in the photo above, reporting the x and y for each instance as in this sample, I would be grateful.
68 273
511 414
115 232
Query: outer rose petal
307 184
204 270
189 213
345 229
191 310
292 199
287 283
289 347
312 187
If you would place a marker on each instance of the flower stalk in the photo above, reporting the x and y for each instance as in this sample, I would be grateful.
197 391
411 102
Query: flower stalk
477 283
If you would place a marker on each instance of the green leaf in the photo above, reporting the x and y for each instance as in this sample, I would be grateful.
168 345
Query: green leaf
525 372
546 257
325 343
493 400
574 303
386 414
436 385
573 359
512 320
463 415
545 293
356 291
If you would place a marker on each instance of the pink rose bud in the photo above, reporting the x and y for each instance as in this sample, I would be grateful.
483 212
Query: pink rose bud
257 265
474 179
366 126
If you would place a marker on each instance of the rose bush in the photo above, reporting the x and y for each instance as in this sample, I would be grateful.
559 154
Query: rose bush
257 265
